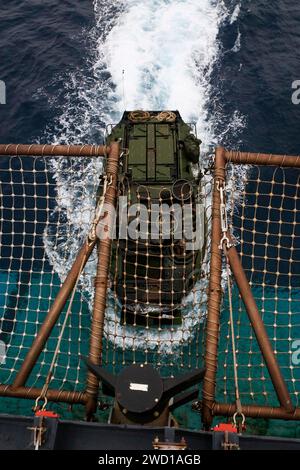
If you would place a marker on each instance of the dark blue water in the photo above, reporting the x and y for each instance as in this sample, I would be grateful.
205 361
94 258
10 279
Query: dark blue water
42 42
48 50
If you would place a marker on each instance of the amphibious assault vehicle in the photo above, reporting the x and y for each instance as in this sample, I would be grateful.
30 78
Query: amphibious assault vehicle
160 176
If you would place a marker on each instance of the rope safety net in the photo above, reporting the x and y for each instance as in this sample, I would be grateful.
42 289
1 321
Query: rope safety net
265 226
46 214
47 211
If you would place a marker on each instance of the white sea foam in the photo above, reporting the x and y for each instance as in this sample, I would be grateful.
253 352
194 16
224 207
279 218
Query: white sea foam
167 50
237 44
235 14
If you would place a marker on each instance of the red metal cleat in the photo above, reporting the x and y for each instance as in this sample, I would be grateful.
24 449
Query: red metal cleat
46 414
223 427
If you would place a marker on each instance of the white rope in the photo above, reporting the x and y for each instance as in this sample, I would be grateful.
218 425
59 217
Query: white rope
239 411
225 245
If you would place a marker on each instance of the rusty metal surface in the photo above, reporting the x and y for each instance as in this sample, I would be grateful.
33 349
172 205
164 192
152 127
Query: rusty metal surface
34 393
247 158
54 150
101 281
214 296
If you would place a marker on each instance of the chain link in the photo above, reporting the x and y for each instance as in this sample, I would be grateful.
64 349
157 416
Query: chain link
223 213
225 245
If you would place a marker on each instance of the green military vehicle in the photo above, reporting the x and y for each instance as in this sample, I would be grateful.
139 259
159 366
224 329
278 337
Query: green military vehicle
153 267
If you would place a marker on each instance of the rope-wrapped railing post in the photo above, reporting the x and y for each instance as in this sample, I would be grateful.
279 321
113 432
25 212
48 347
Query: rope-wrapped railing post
32 393
101 280
248 158
256 412
214 295
54 150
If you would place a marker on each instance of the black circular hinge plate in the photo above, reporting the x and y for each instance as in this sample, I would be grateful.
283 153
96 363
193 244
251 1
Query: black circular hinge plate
139 388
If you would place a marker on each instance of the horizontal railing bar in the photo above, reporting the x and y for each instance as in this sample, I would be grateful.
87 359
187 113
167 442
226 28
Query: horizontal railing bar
248 158
256 411
52 395
55 150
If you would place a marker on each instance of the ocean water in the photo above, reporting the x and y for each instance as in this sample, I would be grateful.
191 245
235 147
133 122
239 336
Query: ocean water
71 67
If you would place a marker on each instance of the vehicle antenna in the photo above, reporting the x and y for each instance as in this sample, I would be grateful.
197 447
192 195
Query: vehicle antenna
123 87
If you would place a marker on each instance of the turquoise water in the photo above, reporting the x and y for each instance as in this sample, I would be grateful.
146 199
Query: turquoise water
70 372
280 311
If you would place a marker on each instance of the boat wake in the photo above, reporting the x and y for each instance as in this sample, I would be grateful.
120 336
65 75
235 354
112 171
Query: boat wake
149 54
